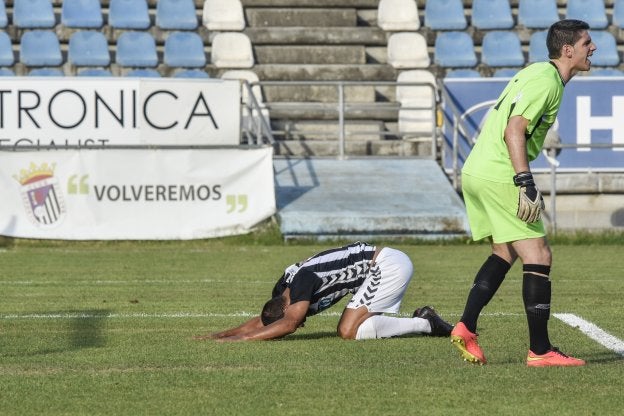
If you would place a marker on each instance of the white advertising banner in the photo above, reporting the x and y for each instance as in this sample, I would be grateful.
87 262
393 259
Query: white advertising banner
118 111
138 194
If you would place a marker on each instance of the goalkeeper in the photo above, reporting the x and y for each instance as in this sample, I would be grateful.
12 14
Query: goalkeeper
502 201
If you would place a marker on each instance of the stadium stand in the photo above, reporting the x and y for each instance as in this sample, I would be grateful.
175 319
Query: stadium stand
445 15
502 48
606 72
463 73
82 14
94 72
88 48
6 50
46 72
492 14
537 47
176 15
4 21
606 53
416 115
306 40
128 14
618 14
249 76
537 14
232 50
408 50
222 15
191 73
143 73
136 49
505 72
30 14
454 49
40 48
397 15
184 49
591 11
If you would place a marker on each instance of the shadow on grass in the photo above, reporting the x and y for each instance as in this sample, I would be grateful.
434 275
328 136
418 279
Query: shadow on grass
311 335
84 329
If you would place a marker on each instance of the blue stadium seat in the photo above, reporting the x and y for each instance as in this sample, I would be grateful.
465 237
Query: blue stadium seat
537 14
591 11
5 72
606 53
136 49
4 21
538 51
502 48
454 49
81 13
492 14
40 48
618 13
505 72
46 72
185 49
143 73
6 50
445 15
94 72
128 14
88 48
176 15
191 73
606 72
29 14
463 73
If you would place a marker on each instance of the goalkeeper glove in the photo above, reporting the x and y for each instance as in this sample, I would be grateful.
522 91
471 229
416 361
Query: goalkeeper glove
530 201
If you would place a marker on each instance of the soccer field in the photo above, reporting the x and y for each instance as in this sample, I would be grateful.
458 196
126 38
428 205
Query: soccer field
106 329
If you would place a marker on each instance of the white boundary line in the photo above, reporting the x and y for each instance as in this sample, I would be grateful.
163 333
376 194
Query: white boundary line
593 331
141 315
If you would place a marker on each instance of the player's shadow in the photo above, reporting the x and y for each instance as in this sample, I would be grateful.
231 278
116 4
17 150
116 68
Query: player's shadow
311 335
84 329
603 357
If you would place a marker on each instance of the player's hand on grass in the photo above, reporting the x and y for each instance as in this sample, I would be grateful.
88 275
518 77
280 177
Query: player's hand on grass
530 200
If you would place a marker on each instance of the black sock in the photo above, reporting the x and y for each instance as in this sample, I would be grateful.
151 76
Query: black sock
485 285
536 293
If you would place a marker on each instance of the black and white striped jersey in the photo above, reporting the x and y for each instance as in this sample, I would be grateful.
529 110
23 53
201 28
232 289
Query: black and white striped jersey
327 277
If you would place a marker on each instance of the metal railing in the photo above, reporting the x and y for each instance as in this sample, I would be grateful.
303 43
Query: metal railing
338 108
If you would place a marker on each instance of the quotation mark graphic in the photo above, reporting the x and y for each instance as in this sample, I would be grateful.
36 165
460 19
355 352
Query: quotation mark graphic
233 201
77 187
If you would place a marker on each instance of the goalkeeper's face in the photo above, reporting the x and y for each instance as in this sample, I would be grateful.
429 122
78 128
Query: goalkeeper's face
582 51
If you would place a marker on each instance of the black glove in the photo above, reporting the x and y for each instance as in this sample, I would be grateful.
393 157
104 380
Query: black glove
530 201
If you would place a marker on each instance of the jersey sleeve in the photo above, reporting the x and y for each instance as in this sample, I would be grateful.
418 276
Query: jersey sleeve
302 286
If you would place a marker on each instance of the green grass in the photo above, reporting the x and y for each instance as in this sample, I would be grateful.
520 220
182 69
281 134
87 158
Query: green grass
105 328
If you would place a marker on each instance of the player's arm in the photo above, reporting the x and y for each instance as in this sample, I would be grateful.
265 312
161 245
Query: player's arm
294 316
249 326
515 138
530 201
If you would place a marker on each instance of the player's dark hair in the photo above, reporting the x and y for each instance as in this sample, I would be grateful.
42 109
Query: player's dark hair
563 32
273 310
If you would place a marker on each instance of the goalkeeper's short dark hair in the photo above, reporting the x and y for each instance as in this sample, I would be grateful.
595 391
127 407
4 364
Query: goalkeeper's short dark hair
273 310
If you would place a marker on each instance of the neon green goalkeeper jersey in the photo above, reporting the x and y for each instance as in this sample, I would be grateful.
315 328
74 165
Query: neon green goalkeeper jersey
534 93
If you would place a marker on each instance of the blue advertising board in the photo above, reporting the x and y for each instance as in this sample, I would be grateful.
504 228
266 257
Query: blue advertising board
590 120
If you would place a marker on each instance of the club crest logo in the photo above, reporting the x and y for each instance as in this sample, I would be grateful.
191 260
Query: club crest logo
41 194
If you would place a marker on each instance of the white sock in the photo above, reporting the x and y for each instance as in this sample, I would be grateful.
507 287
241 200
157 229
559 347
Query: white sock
380 326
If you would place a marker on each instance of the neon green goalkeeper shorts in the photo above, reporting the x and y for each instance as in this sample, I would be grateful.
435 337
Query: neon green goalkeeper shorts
491 209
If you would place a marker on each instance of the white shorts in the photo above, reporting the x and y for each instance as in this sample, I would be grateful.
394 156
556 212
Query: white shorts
383 289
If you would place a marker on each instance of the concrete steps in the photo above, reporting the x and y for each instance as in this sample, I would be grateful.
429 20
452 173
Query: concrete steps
366 198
